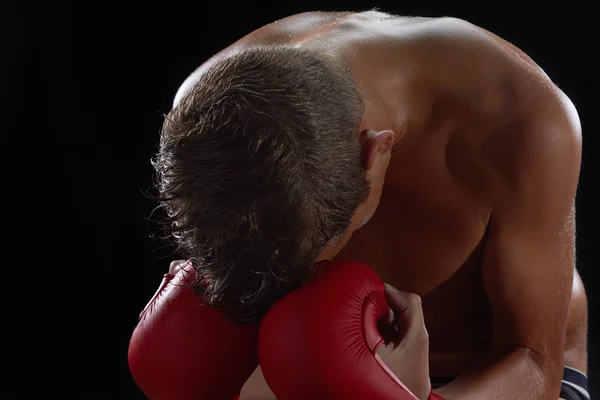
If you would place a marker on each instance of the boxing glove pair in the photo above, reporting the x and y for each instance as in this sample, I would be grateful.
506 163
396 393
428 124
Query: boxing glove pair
318 342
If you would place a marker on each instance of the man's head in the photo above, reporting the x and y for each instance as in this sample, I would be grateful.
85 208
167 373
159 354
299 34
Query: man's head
262 171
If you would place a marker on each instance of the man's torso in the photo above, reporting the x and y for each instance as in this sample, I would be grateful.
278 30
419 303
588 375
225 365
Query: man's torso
419 77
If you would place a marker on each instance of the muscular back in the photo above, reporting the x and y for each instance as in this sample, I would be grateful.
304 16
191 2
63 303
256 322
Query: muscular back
455 96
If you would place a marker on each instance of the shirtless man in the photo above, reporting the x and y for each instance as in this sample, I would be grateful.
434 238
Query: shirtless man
476 215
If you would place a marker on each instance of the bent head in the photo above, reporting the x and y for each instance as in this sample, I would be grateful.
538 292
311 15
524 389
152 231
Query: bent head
262 171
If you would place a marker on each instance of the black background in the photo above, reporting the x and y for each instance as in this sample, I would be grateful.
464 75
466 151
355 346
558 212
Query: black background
91 81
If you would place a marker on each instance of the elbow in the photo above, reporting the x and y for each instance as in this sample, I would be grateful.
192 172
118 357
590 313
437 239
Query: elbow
548 367
548 364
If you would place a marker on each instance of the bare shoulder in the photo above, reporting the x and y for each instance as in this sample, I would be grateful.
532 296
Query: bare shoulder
537 132
534 97
469 36
539 147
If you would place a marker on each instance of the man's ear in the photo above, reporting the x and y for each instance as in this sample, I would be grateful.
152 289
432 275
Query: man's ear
375 144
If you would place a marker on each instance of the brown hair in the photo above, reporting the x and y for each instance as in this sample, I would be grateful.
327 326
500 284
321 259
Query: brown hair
259 167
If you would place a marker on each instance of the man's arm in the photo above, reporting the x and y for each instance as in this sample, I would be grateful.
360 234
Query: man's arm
256 387
528 261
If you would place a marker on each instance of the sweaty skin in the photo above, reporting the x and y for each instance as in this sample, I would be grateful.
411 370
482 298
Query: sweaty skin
477 210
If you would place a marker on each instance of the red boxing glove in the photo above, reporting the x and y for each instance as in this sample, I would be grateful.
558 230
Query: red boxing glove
185 349
320 341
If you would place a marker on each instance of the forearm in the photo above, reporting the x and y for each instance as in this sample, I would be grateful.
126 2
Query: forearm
518 375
